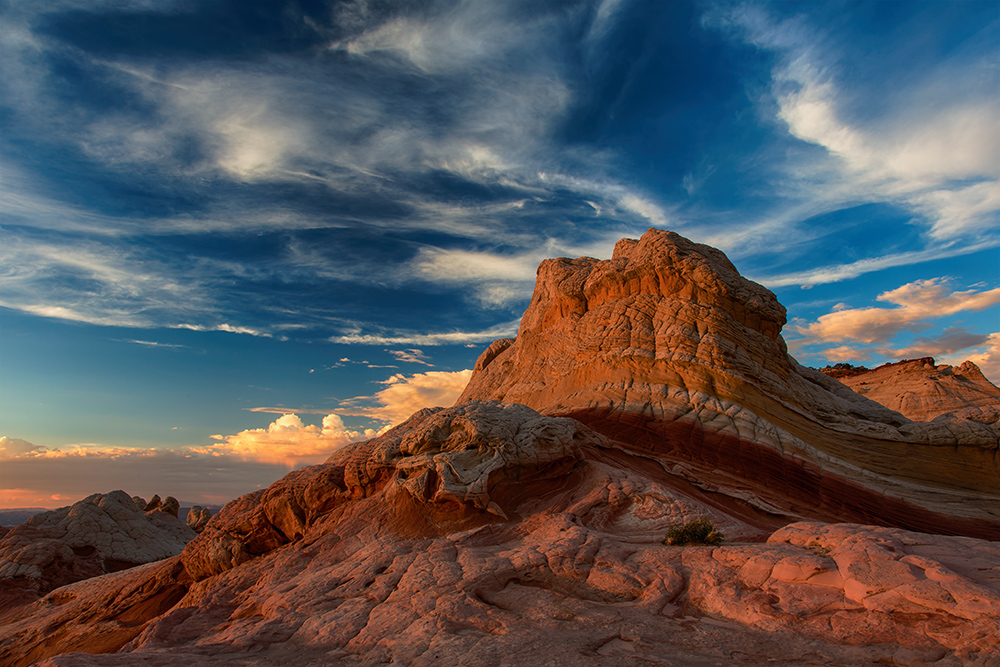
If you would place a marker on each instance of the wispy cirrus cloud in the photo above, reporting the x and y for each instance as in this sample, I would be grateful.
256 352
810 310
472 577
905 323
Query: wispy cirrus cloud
359 142
839 272
411 356
925 140
415 338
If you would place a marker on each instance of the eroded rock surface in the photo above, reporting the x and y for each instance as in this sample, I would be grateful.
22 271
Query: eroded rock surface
101 533
534 541
197 518
922 391
666 349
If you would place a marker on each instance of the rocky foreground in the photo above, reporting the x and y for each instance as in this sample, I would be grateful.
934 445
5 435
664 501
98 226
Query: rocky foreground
494 533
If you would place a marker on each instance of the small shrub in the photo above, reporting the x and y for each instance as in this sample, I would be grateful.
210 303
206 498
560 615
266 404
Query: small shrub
698 531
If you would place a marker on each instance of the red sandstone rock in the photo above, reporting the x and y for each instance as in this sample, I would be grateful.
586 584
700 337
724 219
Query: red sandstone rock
667 350
488 534
348 563
922 391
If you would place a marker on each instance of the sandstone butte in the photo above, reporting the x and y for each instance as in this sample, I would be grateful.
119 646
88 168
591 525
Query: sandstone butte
922 391
499 533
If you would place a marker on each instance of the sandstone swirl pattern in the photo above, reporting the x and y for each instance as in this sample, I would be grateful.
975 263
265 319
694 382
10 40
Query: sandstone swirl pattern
534 541
496 534
666 349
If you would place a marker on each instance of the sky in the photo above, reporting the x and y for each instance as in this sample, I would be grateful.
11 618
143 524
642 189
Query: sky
238 234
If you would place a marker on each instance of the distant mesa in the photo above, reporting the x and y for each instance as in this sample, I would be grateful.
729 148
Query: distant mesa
923 391
525 524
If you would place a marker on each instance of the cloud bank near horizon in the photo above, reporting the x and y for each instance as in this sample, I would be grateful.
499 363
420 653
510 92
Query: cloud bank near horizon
221 470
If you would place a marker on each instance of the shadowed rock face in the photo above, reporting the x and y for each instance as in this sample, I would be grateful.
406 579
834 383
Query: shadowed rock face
534 541
667 350
101 533
923 391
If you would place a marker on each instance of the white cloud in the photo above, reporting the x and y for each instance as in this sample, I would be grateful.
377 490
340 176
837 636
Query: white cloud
229 328
465 35
933 148
405 395
287 441
647 209
411 356
839 272
446 338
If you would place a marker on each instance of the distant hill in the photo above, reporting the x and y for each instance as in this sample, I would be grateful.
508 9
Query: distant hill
18 515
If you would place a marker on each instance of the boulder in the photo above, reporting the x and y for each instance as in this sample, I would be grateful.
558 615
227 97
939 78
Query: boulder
197 517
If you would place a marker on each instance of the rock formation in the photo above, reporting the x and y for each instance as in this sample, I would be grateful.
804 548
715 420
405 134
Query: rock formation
487 534
923 391
197 518
493 534
670 352
101 533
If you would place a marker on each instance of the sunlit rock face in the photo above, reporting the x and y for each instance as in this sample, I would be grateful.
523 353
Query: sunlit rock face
495 533
490 535
668 351
101 533
922 391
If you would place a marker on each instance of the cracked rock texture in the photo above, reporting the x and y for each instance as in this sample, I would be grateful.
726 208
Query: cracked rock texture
923 391
101 533
669 351
488 534
498 534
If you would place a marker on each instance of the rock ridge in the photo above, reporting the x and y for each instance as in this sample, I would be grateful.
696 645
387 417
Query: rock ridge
668 351
368 559
923 391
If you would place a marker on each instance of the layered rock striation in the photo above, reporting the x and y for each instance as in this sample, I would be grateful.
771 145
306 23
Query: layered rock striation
493 533
669 351
922 391
488 534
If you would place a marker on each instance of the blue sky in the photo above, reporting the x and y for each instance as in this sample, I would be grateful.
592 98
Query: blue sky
222 222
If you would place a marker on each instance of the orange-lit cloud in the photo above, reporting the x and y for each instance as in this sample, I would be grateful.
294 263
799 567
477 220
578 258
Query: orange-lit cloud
405 395
16 498
287 441
215 472
916 303
987 357
864 334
